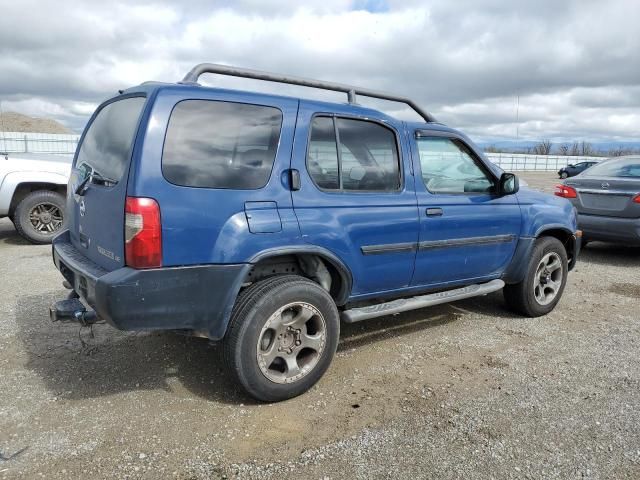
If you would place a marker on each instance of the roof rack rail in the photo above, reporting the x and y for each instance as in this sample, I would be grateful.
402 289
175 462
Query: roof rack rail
194 74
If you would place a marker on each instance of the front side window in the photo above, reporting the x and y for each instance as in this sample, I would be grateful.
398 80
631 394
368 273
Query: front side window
353 155
448 167
217 144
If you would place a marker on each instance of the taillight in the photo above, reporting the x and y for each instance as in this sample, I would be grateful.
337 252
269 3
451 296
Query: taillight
636 199
565 192
142 233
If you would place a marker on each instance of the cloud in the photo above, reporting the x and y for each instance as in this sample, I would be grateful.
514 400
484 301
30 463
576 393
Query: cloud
574 64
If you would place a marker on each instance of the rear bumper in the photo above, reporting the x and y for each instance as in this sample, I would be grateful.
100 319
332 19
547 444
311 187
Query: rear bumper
198 298
610 229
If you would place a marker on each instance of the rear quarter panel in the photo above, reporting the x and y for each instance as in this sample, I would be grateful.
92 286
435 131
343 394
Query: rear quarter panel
207 225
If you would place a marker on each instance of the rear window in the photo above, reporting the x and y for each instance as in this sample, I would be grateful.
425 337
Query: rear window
106 147
620 167
216 144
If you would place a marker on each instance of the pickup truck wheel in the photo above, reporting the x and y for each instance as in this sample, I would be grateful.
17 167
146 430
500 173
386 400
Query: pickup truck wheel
282 337
544 282
40 216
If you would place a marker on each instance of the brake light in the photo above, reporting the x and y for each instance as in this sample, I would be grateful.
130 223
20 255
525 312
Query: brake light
636 199
142 233
565 191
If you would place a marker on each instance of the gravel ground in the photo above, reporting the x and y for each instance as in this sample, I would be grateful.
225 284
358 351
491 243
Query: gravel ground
466 390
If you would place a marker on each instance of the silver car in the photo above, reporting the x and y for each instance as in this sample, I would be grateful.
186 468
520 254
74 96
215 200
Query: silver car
607 197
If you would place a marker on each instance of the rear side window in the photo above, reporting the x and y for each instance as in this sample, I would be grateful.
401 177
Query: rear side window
322 158
216 144
106 147
353 155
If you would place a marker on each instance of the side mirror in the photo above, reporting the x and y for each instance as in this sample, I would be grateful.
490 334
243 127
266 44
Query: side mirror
509 184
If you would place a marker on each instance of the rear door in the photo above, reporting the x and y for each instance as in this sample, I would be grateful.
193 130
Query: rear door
96 215
357 196
467 232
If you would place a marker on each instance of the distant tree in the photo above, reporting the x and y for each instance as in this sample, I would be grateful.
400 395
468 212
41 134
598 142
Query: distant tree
493 149
543 148
618 152
575 149
586 149
563 149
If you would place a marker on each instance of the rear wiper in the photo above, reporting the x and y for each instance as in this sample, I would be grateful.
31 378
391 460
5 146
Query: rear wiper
102 179
91 178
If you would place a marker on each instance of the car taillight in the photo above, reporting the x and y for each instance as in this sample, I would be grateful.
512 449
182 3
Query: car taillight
142 233
636 199
565 192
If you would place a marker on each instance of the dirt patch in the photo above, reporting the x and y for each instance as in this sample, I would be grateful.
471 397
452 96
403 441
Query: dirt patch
631 290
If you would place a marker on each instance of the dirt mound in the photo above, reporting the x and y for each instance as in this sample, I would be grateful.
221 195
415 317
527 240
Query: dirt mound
17 122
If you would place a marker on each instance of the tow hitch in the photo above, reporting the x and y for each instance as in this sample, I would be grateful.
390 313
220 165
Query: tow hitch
72 310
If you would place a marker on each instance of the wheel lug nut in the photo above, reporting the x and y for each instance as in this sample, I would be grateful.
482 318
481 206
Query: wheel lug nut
298 342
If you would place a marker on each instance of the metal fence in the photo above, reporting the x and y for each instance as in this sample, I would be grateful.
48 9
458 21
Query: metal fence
20 142
517 161
62 144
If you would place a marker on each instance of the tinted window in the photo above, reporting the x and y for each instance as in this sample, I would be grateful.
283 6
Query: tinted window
322 157
620 167
221 144
106 147
368 155
448 167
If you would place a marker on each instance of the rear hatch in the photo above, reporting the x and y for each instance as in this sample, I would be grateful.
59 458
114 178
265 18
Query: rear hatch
607 196
98 184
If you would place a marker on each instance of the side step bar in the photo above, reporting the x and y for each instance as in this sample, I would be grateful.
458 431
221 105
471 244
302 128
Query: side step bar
413 303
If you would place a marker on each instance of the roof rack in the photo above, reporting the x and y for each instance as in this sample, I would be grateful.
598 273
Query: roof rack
194 74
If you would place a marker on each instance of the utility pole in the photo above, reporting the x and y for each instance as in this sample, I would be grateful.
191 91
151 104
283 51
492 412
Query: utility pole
517 117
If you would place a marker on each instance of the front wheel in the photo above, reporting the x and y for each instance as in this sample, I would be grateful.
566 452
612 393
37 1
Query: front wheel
282 337
544 282
564 175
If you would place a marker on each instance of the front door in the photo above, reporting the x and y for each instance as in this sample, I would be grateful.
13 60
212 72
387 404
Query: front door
468 233
356 196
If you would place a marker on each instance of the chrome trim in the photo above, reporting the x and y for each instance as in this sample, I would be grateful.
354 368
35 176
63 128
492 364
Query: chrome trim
432 244
464 242
388 248
607 192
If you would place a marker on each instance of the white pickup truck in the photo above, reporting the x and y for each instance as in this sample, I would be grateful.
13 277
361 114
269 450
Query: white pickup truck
32 193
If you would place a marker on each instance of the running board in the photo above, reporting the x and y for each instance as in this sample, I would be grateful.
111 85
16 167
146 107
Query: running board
413 303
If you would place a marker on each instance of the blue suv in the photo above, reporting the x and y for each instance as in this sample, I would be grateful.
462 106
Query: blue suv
263 221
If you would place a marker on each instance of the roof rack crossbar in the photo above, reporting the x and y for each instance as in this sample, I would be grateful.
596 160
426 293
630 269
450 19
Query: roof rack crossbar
195 72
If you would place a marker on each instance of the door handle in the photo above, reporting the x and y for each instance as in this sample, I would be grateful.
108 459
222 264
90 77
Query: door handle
294 179
434 212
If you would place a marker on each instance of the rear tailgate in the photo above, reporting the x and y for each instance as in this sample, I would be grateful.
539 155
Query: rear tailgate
96 211
607 196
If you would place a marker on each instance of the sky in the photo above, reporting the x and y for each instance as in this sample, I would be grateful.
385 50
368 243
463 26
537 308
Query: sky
497 69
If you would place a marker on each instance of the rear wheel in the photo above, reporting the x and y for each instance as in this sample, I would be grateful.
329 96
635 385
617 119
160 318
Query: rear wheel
282 337
564 175
544 282
39 216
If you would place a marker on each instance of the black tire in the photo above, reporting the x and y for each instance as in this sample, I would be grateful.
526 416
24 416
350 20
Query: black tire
22 216
564 175
520 297
254 307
